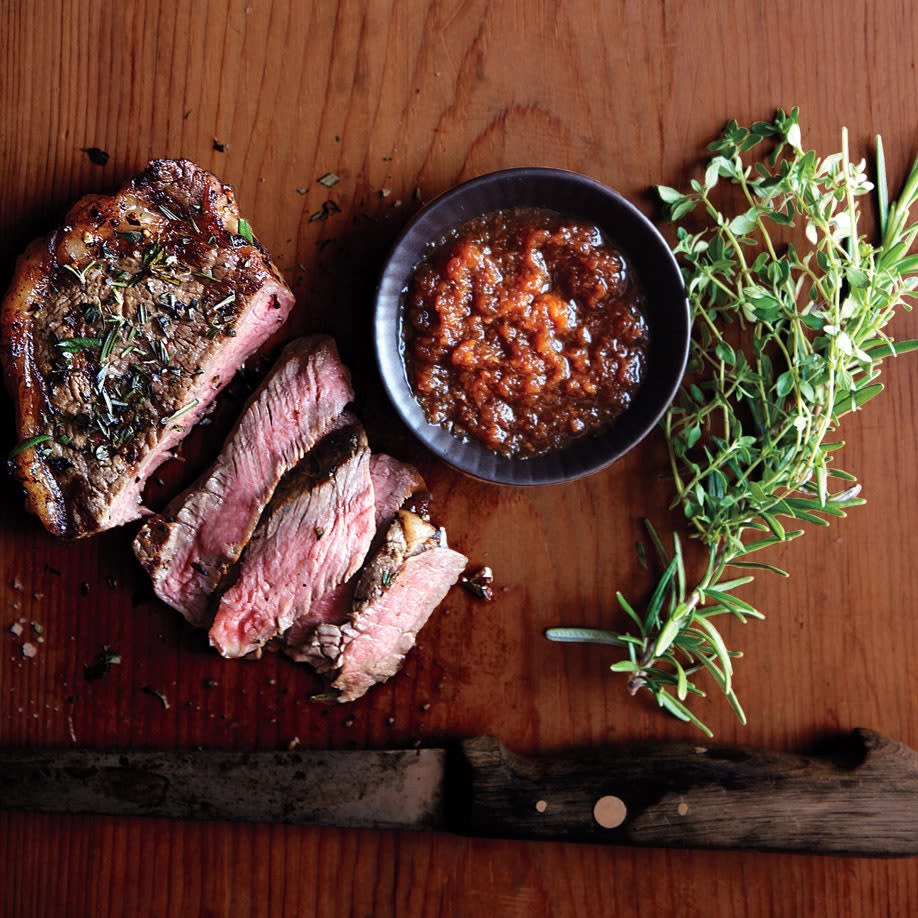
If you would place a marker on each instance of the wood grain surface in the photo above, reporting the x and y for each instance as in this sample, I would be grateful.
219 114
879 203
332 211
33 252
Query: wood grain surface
403 99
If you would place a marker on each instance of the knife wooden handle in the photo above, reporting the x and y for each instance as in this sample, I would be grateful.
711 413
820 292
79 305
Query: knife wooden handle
862 799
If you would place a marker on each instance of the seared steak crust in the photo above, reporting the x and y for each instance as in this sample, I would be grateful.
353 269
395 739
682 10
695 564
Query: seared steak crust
188 549
118 331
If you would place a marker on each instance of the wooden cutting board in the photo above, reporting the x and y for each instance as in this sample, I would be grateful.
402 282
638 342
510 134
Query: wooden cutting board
401 100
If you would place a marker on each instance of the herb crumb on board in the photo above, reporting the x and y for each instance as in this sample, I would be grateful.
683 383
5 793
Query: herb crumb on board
97 156
479 583
101 665
157 694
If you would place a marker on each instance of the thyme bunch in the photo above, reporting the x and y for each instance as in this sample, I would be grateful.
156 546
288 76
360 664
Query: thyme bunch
789 303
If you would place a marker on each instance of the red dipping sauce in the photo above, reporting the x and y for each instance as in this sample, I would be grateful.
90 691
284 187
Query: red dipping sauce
525 330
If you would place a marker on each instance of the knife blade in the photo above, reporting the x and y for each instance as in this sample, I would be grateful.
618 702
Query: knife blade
860 798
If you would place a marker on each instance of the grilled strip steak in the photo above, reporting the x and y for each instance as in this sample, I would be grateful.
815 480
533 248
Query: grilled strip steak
394 484
396 593
118 331
313 536
188 549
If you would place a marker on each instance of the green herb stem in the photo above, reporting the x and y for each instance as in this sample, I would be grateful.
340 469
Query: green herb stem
810 322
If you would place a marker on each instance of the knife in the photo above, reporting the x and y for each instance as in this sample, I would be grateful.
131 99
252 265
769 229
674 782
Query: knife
860 798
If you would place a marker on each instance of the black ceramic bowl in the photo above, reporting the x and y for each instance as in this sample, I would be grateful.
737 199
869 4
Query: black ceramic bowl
666 311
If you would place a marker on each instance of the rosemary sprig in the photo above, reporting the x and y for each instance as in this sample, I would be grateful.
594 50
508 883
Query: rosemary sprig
788 337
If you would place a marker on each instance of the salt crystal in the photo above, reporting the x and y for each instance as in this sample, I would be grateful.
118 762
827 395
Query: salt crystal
29 650
16 629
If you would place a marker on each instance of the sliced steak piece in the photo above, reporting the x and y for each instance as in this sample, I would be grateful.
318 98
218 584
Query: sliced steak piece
394 484
118 331
313 536
396 593
188 549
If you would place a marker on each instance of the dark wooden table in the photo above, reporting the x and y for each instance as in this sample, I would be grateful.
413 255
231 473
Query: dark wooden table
402 100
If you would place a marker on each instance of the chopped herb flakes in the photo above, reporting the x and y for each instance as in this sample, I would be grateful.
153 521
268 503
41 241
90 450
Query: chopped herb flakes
75 345
245 230
156 693
31 442
109 343
328 208
132 320
329 180
80 273
185 408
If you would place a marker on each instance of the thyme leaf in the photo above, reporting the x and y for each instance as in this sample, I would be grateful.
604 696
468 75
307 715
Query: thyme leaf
788 336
